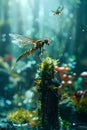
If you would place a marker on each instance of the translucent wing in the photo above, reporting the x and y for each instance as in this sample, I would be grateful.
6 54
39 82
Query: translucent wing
21 41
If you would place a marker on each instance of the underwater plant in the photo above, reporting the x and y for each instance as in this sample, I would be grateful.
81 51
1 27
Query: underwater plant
48 84
22 116
80 101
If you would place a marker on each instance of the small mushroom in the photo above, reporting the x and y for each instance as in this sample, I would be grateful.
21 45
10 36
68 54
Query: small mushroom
61 70
84 74
69 82
79 94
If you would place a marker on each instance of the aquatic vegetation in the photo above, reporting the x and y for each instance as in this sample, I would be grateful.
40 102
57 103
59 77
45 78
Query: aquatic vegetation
66 107
66 125
22 116
47 84
72 105
80 101
22 41
6 64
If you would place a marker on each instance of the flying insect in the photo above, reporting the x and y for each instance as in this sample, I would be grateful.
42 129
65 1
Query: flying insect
23 41
58 11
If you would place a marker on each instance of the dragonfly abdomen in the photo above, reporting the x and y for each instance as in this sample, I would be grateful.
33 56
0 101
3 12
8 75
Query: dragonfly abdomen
28 52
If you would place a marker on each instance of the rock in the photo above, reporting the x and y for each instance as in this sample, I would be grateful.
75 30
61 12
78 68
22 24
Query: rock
67 109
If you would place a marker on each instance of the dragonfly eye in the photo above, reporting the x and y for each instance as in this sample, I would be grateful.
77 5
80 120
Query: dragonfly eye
46 41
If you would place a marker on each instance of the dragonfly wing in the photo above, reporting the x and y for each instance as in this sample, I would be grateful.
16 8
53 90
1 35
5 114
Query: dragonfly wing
28 52
21 41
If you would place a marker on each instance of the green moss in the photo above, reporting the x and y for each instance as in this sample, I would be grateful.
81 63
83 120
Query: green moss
47 84
21 116
47 66
46 70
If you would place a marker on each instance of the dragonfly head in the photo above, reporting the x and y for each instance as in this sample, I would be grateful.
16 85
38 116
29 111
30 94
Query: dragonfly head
46 41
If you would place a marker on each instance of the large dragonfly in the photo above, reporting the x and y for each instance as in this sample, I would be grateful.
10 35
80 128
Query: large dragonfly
23 41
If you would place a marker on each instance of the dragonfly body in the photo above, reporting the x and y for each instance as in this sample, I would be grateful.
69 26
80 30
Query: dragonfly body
58 11
23 41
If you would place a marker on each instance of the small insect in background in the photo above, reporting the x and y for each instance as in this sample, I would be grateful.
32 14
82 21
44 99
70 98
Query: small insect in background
58 11
23 41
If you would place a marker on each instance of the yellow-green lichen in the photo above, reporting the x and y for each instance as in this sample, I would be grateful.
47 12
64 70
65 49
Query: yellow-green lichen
21 116
47 67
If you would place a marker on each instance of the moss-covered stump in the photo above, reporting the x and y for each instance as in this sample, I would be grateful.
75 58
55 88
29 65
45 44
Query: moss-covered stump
49 110
48 89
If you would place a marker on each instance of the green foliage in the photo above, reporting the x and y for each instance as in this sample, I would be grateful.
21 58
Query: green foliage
47 63
66 125
21 116
81 104
46 68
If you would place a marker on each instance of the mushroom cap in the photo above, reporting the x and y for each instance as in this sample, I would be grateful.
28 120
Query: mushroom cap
61 69
69 82
83 74
79 93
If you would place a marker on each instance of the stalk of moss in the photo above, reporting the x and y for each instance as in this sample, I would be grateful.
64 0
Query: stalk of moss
48 88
